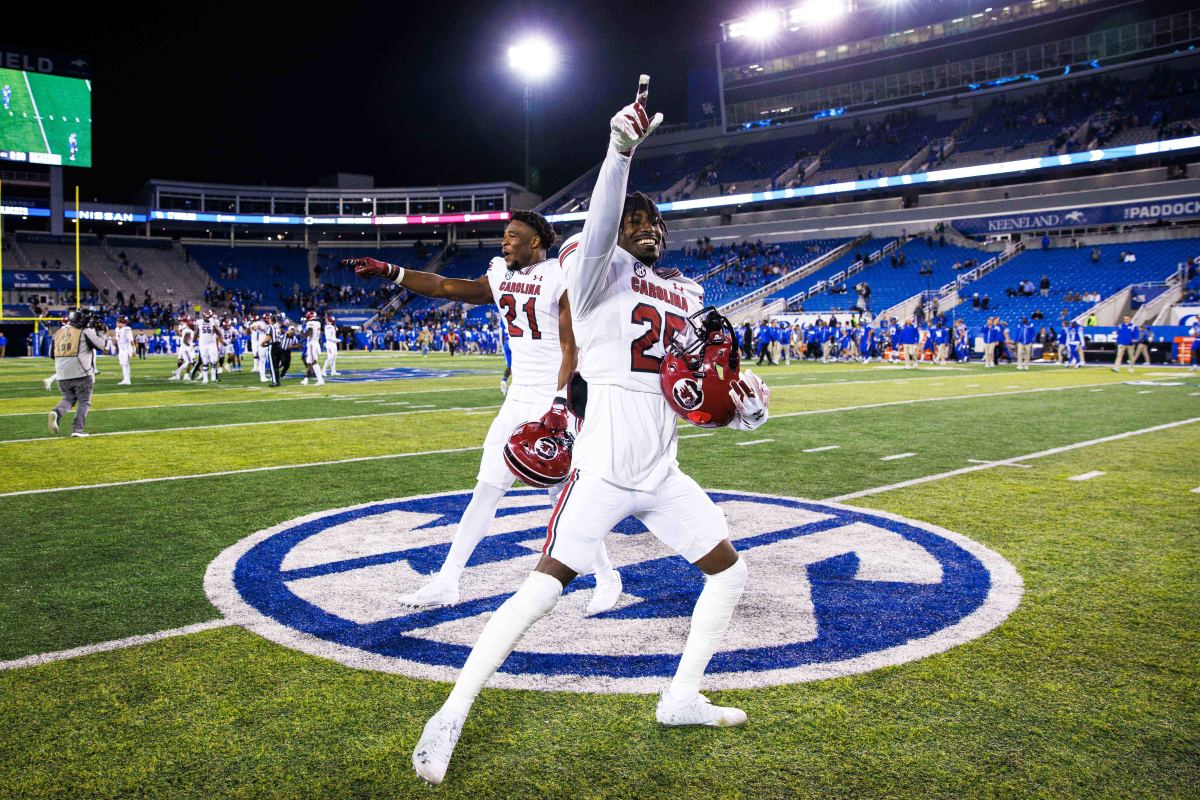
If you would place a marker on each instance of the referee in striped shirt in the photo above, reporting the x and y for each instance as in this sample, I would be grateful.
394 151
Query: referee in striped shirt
279 350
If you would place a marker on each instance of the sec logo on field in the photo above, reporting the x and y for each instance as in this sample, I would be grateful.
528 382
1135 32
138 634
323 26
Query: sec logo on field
832 591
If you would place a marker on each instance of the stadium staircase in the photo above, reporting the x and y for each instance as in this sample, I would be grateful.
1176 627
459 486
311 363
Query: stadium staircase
834 273
769 298
167 273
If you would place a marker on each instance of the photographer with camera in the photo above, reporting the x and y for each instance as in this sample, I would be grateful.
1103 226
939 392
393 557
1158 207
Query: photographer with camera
75 348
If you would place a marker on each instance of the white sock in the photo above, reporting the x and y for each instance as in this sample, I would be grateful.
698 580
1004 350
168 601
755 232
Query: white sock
471 528
535 599
125 372
603 566
710 620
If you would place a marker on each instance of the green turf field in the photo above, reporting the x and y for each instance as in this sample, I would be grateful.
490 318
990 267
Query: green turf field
1089 689
44 110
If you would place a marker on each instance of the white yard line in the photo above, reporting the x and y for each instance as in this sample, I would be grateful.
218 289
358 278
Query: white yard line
753 441
931 400
998 464
1008 461
367 398
821 449
249 424
218 623
1087 476
115 644
37 114
897 456
417 409
695 436
1145 391
248 470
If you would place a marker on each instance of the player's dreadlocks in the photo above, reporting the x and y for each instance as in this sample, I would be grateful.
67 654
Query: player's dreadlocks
639 201
540 225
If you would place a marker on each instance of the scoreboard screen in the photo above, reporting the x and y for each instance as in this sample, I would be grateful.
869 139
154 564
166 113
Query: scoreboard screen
45 119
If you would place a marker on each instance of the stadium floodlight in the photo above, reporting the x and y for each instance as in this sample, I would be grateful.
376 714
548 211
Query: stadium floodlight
533 59
764 25
761 26
817 12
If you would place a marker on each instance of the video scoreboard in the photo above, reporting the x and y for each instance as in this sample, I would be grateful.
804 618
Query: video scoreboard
45 109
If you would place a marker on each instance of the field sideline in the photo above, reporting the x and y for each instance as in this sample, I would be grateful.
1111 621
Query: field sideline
1088 690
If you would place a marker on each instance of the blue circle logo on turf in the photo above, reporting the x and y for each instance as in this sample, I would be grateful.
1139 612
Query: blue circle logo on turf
833 590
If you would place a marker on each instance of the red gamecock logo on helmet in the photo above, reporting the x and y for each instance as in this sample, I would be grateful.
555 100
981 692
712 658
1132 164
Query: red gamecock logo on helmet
546 447
687 393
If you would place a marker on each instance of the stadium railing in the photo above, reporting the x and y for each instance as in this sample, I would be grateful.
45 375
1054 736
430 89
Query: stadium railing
742 304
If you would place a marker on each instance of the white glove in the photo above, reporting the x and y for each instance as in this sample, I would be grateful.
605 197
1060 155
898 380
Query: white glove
630 127
750 397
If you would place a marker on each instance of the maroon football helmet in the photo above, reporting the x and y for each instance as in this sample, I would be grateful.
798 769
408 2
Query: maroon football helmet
538 454
696 379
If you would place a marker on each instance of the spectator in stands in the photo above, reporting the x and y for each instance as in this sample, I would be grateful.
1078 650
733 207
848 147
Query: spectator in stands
1045 241
1095 255
3 343
1045 286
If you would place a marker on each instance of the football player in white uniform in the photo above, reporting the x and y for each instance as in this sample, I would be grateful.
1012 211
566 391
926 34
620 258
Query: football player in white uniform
331 346
124 338
530 292
312 349
210 338
259 328
624 458
187 335
228 335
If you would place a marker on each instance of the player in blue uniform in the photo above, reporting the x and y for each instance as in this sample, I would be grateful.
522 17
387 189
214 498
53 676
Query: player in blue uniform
1194 332
866 342
962 342
1075 344
6 96
73 146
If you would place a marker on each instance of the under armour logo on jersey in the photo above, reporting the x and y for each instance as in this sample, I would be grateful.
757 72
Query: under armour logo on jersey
833 591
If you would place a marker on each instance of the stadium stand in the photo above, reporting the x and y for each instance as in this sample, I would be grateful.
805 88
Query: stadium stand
1073 273
261 275
759 264
826 273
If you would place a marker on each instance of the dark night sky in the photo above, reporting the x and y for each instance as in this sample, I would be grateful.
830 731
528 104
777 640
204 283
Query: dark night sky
413 94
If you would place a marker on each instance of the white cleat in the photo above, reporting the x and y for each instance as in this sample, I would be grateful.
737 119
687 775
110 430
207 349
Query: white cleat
52 422
320 381
606 593
432 754
48 383
698 711
438 592
79 435
124 383
304 382
173 378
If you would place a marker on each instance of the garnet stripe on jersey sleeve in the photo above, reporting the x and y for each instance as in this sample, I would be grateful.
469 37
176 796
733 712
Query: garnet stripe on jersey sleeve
566 251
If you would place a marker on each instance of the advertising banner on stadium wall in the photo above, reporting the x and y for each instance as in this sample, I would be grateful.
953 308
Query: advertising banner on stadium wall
1177 208
1185 315
43 279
